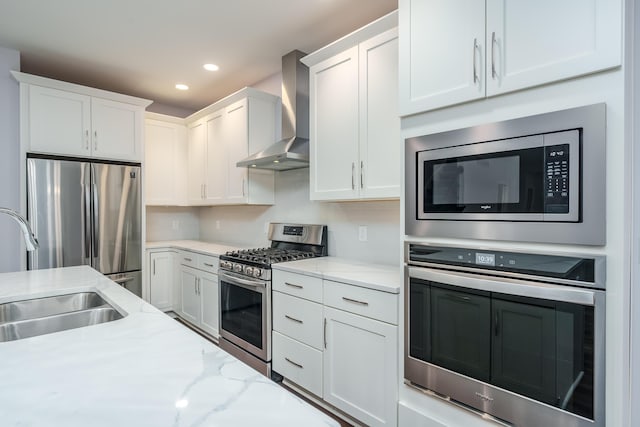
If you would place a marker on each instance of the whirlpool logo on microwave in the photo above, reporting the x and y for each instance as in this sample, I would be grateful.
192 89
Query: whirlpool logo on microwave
485 207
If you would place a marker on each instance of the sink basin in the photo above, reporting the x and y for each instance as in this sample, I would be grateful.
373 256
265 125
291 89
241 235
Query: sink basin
42 307
29 318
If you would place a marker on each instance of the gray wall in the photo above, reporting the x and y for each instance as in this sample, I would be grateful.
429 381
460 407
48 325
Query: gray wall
10 253
245 225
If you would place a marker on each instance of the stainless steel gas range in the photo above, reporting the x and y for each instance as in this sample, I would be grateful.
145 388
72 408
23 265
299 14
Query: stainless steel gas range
245 289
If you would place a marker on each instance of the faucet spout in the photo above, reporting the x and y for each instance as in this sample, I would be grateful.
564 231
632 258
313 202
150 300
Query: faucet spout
30 240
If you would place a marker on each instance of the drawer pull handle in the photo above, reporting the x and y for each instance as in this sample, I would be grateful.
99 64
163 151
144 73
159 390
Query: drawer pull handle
294 286
294 363
208 265
293 318
355 301
188 259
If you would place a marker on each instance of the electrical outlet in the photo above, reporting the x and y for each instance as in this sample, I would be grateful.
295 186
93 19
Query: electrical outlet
362 233
217 224
175 224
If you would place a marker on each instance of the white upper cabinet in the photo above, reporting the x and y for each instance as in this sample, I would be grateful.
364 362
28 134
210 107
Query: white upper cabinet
334 127
59 122
454 51
379 120
66 119
441 53
354 123
165 161
223 134
531 43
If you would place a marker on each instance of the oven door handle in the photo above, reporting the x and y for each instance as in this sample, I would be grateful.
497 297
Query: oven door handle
235 280
508 286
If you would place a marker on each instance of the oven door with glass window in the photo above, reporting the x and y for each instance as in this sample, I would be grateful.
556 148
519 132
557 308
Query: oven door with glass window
245 319
526 352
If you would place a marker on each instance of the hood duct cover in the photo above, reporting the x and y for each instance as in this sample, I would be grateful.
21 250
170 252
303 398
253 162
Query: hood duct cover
291 152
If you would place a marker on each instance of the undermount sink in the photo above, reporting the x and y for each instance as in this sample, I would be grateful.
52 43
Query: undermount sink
39 316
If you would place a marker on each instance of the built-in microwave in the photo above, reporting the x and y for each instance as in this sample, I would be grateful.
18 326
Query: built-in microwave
537 178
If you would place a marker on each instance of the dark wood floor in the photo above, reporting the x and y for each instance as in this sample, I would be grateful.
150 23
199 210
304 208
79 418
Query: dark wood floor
339 420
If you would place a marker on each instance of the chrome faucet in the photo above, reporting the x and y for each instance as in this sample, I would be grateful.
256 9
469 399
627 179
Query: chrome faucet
29 239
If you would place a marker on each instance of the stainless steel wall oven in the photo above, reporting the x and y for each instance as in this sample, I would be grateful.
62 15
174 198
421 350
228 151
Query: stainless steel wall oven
517 336
546 172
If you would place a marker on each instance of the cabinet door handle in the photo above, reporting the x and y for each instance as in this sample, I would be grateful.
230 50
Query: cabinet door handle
188 259
154 267
475 69
361 174
86 139
243 182
294 285
494 74
195 286
208 265
355 301
294 363
95 140
293 319
204 191
496 327
324 333
353 175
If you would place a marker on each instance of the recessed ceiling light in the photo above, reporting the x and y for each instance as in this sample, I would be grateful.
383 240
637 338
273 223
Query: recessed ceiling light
181 86
211 67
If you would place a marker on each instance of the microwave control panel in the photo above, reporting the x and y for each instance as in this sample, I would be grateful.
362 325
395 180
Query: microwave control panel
556 182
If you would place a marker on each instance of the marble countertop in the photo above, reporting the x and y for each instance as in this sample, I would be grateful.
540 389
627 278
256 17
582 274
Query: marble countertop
373 276
143 370
207 248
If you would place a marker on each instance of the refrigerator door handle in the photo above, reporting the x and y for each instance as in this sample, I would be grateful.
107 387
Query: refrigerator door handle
86 210
96 216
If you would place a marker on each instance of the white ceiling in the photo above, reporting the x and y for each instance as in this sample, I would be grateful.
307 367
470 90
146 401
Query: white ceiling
144 47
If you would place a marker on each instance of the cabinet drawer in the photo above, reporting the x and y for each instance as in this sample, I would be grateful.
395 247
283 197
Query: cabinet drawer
298 363
298 318
188 258
298 285
208 263
365 302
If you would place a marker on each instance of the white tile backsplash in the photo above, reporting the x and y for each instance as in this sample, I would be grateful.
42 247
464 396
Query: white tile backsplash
245 225
172 223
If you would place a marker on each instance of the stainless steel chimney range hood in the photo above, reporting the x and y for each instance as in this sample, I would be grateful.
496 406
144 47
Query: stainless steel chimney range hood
291 152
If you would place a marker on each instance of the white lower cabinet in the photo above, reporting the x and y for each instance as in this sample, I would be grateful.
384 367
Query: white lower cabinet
338 342
199 291
190 307
297 362
161 278
360 367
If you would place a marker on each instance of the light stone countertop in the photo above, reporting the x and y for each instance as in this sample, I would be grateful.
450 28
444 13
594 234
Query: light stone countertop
143 370
215 249
373 276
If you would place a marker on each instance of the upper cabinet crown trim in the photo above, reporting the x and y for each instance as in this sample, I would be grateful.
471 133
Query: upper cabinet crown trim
230 99
378 26
75 88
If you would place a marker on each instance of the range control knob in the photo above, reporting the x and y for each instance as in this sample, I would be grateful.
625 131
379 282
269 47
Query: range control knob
237 268
257 272
248 270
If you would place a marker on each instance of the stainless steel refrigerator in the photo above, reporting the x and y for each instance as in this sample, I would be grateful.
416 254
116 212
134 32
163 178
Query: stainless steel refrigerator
86 213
